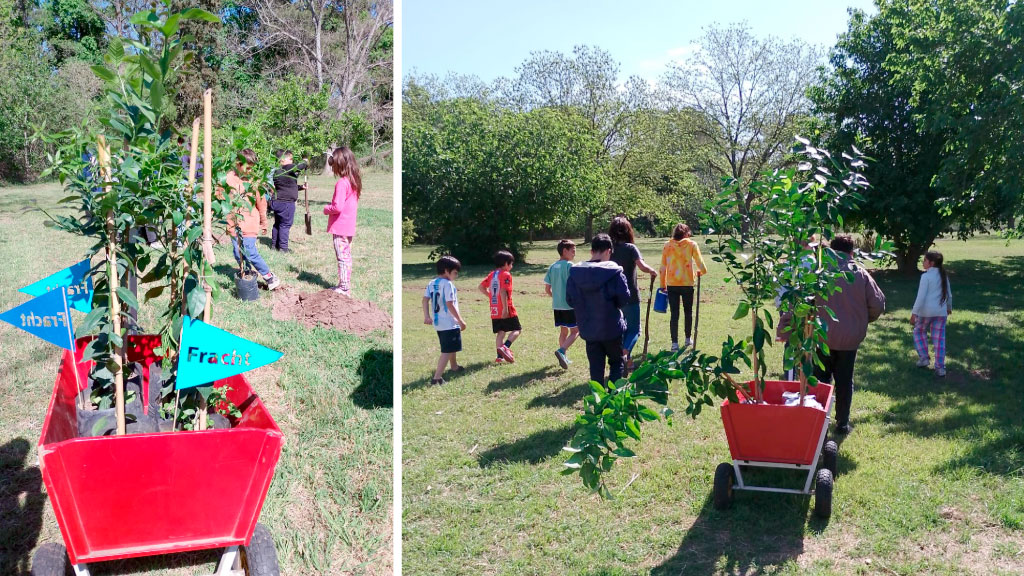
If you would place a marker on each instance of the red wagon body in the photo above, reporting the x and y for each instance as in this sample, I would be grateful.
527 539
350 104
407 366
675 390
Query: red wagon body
774 432
144 494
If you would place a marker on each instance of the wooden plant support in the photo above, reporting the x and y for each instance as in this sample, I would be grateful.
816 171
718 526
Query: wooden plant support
207 217
115 305
758 395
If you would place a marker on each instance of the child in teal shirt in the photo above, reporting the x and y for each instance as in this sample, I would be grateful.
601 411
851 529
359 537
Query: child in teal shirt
565 316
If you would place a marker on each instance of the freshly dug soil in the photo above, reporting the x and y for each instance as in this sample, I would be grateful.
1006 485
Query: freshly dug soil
330 310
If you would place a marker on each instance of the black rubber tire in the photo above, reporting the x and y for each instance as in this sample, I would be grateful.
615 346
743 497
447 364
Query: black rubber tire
830 457
725 477
259 558
51 559
823 494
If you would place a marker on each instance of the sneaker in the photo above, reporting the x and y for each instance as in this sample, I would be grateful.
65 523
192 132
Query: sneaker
505 353
688 344
457 370
499 360
437 381
562 360
272 281
843 429
922 362
675 346
940 372
625 366
343 291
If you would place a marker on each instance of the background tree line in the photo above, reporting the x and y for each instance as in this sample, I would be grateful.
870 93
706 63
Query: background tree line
930 90
302 74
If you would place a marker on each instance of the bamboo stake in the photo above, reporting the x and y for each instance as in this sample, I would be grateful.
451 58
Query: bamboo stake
193 157
757 388
207 217
113 281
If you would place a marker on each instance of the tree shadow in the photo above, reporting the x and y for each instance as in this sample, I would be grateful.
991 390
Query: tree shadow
376 370
743 539
518 380
21 507
976 402
567 397
448 375
532 449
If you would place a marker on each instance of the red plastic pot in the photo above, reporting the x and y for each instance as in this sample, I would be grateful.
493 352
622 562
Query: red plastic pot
773 432
144 494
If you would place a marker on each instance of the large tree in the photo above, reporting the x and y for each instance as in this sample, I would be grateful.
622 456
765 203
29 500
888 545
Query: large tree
749 94
932 90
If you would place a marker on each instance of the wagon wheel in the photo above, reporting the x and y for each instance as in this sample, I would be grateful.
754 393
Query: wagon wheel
823 494
725 477
830 457
51 559
259 558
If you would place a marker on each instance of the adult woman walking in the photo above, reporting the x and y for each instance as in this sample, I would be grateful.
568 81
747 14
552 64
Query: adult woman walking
681 265
626 254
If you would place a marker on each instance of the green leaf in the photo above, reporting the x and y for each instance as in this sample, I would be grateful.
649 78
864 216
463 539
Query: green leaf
196 301
127 297
154 292
103 73
741 310
91 321
199 14
156 94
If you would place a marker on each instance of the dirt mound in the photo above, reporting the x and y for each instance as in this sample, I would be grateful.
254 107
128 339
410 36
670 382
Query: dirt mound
330 310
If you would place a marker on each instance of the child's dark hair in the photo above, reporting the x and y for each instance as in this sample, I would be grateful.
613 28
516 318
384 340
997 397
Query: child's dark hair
278 153
621 230
565 245
681 231
600 243
842 243
935 257
343 163
502 257
448 263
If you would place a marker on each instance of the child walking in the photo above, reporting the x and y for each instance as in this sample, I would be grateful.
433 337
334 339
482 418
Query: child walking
681 265
504 321
441 308
341 213
597 290
933 304
286 194
248 223
565 316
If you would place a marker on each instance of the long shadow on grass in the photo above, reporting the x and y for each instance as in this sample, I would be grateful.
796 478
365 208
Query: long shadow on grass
21 507
532 449
758 531
316 279
566 397
429 374
518 380
375 371
971 404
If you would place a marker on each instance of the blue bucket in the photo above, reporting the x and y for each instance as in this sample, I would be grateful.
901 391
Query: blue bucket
661 301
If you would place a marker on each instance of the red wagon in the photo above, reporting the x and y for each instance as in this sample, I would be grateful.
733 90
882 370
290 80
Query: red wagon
138 495
773 435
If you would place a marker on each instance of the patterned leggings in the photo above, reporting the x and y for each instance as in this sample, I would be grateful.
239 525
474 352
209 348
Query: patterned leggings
935 327
343 250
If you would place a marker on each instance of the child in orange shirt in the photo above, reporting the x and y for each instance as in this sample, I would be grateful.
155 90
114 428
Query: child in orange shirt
679 257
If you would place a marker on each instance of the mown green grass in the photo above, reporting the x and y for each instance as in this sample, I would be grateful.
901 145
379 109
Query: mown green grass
931 481
330 504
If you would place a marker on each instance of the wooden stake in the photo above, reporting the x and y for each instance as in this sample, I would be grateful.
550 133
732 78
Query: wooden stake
114 281
207 217
757 388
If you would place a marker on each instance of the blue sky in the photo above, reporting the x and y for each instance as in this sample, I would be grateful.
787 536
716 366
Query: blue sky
489 38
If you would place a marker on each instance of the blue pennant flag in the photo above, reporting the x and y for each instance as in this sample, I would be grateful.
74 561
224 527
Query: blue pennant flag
74 279
45 316
209 354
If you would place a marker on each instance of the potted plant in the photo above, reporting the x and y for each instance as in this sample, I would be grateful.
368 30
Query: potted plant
775 252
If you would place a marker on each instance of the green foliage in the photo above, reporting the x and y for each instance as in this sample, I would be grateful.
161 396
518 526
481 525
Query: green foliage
408 232
475 175
613 414
291 115
934 89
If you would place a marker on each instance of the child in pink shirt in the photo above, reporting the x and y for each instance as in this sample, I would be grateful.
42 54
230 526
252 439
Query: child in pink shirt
341 213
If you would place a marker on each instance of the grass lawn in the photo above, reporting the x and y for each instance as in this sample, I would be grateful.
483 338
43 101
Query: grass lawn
931 481
330 503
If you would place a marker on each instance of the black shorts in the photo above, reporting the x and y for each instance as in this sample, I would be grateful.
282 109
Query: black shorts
510 324
451 340
565 318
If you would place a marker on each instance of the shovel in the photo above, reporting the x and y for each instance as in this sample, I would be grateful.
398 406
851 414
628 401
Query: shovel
696 321
647 319
305 196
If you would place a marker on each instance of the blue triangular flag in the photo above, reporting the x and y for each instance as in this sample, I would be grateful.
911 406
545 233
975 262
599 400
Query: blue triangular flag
44 316
75 279
209 353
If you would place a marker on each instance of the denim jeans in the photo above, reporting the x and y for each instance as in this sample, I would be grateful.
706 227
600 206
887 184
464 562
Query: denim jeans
631 312
251 254
284 216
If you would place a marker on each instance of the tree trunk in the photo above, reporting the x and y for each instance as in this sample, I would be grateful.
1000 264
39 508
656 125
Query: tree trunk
908 256
588 232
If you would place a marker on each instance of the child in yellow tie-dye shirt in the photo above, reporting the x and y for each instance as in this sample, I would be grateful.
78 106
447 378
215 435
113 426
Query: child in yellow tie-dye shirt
681 265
